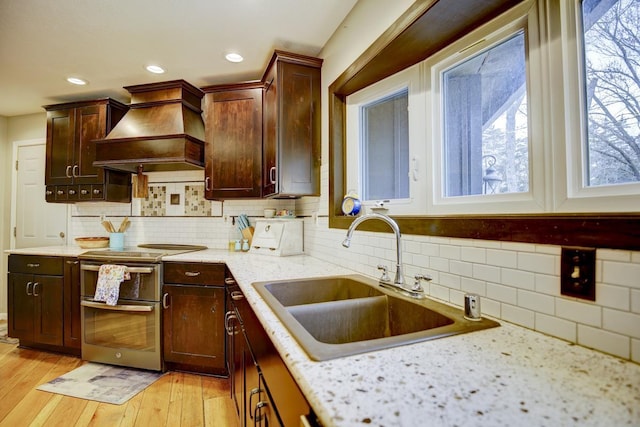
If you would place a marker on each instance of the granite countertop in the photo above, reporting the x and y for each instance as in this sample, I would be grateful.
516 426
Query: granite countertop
501 376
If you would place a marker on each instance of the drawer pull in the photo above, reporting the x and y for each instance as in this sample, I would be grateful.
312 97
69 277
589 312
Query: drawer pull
33 265
29 293
192 273
237 295
35 286
228 317
165 303
229 281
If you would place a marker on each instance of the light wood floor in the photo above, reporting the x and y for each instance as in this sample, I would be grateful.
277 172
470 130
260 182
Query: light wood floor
176 399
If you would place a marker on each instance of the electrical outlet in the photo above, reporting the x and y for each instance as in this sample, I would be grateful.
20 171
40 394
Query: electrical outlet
578 273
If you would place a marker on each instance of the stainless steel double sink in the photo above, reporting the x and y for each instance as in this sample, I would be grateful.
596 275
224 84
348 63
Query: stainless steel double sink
338 316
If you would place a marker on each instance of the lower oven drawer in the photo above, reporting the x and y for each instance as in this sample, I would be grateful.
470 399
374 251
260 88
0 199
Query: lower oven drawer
127 334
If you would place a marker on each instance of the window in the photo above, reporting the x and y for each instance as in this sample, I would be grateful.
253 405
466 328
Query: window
611 39
485 123
535 111
386 144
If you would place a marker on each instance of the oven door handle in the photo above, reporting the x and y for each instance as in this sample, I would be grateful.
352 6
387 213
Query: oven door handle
103 306
91 267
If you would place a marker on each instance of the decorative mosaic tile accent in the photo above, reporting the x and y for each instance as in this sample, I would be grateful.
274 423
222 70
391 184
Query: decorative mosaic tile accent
155 204
194 202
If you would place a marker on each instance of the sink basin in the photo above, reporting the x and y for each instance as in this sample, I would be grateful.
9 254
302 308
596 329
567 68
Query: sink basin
338 316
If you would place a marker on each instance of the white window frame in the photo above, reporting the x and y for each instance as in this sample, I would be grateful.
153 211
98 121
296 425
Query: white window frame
409 79
571 193
521 18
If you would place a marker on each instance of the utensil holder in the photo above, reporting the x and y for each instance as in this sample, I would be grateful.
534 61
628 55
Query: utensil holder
116 240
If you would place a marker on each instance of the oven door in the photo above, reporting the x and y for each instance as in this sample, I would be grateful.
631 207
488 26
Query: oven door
126 334
144 283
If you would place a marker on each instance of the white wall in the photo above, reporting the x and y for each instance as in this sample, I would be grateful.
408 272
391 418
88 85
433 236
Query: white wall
519 283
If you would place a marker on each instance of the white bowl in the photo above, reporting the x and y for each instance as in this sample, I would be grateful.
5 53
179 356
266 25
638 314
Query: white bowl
269 213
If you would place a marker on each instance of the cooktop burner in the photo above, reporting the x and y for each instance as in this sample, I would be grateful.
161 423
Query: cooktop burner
151 252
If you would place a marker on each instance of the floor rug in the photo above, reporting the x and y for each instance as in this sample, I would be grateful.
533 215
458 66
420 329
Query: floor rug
103 383
3 334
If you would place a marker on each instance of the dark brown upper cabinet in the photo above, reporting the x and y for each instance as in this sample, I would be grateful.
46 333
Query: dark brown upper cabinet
233 141
70 175
291 126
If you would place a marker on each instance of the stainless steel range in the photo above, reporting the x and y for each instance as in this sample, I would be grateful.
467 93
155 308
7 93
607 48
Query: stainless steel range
128 333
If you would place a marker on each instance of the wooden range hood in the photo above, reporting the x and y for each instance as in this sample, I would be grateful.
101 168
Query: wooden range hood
162 131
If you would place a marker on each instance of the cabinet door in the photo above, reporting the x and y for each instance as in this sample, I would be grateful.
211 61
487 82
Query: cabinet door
72 323
299 130
60 134
48 313
194 326
233 144
90 124
270 133
21 306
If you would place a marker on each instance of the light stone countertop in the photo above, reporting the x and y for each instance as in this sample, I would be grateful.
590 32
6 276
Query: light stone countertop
502 376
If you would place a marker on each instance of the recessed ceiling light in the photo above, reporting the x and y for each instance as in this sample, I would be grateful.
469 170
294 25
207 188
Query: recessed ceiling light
234 57
76 81
155 69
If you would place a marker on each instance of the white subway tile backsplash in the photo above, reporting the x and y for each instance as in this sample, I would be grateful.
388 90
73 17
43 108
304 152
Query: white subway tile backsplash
502 258
588 314
518 278
537 263
621 273
613 255
473 254
621 322
449 280
635 350
490 307
461 268
553 326
473 286
502 293
486 272
635 300
518 315
539 303
439 264
449 251
547 284
608 342
439 292
613 296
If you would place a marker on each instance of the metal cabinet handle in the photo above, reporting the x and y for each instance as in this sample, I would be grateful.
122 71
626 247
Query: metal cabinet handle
252 393
229 281
33 265
70 262
72 192
192 273
228 317
237 295
272 175
96 191
207 183
84 191
67 171
60 192
165 303
29 293
35 286
258 417
74 171
48 192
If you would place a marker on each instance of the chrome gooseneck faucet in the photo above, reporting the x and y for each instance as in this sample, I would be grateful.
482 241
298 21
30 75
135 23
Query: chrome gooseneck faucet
398 282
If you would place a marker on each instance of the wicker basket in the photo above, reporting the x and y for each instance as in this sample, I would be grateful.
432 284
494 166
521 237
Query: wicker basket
92 242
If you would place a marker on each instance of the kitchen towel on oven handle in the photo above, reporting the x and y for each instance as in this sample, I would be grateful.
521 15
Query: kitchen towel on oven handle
108 286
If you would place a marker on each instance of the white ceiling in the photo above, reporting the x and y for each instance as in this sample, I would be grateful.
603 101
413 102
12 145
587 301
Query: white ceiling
109 42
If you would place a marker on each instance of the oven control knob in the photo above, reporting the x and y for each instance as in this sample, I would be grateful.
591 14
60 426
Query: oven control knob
118 355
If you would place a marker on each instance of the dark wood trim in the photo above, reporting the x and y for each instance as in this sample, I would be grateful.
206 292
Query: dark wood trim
424 29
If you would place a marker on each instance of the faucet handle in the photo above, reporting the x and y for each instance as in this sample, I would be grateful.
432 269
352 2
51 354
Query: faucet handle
418 277
385 275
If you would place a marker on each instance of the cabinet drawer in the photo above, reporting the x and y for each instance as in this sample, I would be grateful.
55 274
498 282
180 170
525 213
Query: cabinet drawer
194 273
36 264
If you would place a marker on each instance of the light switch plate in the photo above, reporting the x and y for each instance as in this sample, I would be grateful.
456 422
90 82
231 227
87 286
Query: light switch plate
578 273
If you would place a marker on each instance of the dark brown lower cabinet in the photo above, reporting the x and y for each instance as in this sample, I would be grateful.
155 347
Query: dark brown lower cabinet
36 301
263 390
72 323
193 318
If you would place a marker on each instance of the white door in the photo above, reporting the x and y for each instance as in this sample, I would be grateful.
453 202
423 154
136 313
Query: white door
37 223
